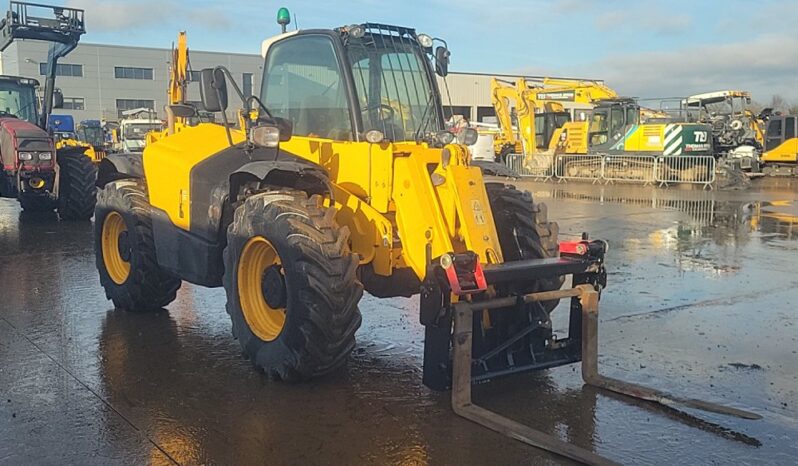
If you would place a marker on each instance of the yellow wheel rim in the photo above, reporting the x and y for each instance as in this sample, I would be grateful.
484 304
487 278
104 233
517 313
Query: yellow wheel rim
265 321
118 268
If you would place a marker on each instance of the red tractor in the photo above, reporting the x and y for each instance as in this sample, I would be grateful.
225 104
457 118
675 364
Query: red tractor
33 171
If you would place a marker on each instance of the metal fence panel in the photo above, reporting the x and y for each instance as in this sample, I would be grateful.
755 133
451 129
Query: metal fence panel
540 167
579 167
629 169
690 169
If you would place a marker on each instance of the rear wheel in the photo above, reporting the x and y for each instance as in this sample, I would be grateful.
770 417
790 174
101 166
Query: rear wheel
77 192
125 250
524 233
292 290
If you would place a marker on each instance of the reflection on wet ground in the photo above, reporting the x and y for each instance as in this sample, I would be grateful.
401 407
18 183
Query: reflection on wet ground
699 303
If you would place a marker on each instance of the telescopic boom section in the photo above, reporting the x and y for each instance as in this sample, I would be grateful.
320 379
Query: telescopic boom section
60 26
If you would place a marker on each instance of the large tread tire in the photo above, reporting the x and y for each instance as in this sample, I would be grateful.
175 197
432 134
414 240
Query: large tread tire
524 233
322 288
77 192
34 203
148 287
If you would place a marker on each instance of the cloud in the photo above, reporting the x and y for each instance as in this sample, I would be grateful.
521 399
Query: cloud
126 17
763 65
645 18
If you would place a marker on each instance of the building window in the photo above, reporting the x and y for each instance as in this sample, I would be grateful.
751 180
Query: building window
246 84
462 110
63 69
127 72
74 103
133 104
486 115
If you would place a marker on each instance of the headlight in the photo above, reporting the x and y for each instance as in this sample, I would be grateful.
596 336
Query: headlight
468 136
374 136
445 137
45 156
425 40
25 156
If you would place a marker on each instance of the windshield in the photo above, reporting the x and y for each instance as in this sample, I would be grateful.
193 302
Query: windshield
93 136
139 130
393 86
18 100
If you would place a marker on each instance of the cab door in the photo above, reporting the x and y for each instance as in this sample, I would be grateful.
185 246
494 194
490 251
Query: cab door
781 143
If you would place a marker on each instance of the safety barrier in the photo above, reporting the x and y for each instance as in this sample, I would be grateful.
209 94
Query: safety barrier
629 169
638 169
579 167
540 167
685 169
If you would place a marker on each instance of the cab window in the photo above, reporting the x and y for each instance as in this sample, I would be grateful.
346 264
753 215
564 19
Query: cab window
616 119
303 83
789 128
598 128
632 116
774 134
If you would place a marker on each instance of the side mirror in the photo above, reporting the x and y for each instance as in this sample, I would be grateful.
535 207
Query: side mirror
213 90
442 61
58 98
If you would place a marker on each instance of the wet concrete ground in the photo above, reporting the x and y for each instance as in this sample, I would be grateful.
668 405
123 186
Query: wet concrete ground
701 302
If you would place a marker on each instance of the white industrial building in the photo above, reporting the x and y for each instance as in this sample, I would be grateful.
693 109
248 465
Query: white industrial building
100 81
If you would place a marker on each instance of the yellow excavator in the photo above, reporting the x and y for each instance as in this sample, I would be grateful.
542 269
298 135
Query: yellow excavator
540 110
321 191
780 156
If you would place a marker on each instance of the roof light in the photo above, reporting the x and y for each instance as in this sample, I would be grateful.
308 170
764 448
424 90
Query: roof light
283 17
425 40
357 31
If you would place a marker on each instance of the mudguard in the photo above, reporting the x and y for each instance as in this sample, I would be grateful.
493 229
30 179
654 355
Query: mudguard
118 167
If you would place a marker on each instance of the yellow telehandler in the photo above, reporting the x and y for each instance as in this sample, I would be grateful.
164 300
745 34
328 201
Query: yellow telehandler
323 190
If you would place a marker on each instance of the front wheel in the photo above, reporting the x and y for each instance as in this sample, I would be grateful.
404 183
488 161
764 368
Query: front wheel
292 289
77 192
125 250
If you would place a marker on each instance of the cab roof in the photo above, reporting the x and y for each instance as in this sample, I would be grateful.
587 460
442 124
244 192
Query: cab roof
714 97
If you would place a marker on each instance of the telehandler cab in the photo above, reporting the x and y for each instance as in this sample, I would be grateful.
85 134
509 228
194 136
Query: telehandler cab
341 177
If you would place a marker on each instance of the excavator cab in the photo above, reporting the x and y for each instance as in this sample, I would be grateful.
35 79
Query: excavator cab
610 121
546 124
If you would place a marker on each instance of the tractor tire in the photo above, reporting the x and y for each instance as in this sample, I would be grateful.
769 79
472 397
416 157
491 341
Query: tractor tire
33 203
125 250
524 233
77 192
292 288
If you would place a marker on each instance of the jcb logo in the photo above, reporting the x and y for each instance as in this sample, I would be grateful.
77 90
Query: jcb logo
700 136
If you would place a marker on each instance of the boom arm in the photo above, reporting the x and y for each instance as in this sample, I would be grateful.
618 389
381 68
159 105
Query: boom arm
178 79
500 97
60 26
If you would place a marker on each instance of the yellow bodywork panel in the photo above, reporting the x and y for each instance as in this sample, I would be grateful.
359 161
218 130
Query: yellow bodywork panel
787 151
440 211
168 163
576 137
95 156
360 168
370 233
646 138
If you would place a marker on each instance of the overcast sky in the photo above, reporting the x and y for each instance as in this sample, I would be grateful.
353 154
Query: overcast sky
641 48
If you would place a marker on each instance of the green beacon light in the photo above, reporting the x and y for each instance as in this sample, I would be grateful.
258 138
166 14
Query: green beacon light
283 17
